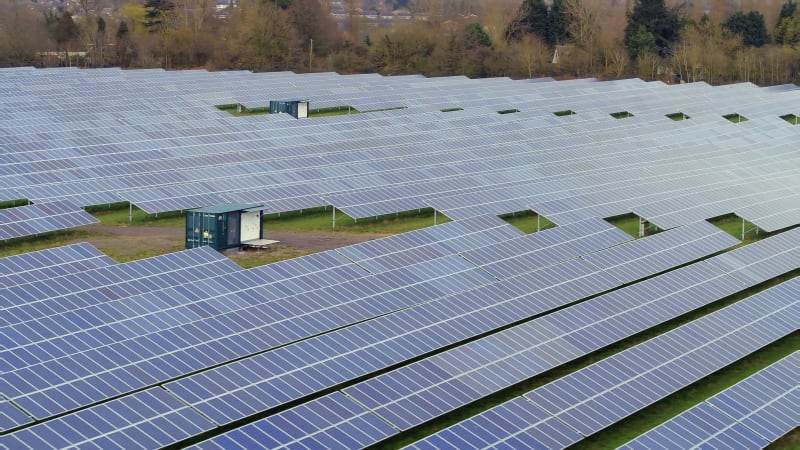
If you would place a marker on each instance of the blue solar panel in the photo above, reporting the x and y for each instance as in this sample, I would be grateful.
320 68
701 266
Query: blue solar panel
268 380
601 394
508 426
429 243
699 426
42 218
91 289
529 252
409 396
161 336
750 414
11 416
50 263
330 422
775 256
147 419
654 254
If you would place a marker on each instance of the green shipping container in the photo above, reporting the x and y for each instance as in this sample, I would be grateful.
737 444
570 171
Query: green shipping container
218 227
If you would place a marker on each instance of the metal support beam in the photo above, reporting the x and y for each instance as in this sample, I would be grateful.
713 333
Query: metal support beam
742 229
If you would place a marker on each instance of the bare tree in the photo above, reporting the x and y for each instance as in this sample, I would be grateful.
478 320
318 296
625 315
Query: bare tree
88 6
582 27
533 54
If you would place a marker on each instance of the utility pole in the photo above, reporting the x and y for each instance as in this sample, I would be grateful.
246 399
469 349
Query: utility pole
310 52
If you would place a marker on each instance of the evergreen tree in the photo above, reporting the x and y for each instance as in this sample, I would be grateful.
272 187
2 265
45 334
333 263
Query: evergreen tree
61 27
787 11
475 37
642 42
550 24
559 23
532 17
662 22
788 32
749 26
156 9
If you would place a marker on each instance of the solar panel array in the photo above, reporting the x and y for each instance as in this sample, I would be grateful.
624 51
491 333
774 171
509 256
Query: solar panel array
349 347
601 394
41 218
423 390
176 151
751 414
500 360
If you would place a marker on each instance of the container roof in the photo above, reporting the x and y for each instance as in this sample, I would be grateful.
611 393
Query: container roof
229 207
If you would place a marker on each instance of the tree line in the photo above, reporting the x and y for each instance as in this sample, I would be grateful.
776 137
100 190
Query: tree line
477 38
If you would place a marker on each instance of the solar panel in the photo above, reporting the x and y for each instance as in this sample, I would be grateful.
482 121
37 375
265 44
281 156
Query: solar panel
147 419
380 255
50 263
525 253
773 214
476 369
11 416
601 394
154 338
654 254
270 379
330 422
516 423
598 395
750 414
753 264
41 218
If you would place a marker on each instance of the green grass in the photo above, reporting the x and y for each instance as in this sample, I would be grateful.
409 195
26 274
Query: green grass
791 118
678 116
14 203
333 111
735 117
120 216
566 112
628 223
621 115
528 221
508 111
40 242
321 220
733 226
234 110
451 109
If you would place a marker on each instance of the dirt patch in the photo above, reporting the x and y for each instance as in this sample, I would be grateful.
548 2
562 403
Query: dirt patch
127 243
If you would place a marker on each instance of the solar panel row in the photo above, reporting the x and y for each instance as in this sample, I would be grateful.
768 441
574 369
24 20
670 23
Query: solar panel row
750 414
50 263
406 398
601 394
430 370
294 164
30 220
